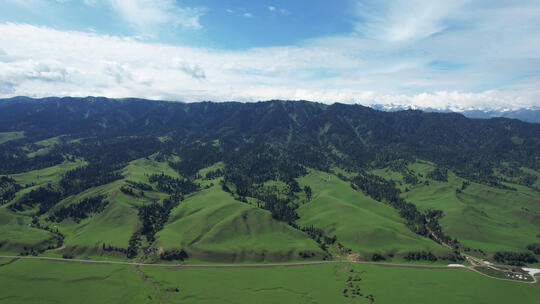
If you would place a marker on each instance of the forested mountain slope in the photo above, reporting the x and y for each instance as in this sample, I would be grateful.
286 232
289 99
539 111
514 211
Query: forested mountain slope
267 181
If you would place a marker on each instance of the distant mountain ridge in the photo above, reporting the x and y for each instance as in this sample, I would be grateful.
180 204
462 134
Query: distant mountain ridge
526 114
530 114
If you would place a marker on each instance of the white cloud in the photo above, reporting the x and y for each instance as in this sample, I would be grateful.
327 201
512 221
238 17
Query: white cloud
401 20
271 8
247 15
146 14
40 61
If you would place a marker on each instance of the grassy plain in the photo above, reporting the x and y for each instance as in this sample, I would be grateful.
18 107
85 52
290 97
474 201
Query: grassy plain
32 281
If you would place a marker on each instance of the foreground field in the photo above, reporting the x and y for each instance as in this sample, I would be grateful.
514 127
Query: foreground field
64 282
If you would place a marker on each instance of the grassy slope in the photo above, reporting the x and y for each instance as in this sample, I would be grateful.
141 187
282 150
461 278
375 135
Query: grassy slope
43 147
7 136
16 233
114 226
44 176
360 223
482 217
26 281
117 223
212 226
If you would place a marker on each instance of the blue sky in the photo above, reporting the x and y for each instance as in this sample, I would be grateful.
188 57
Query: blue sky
456 54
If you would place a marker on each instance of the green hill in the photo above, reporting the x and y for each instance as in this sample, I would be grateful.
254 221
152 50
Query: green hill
263 182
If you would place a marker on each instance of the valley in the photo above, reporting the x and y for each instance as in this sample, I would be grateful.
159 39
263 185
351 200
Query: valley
287 200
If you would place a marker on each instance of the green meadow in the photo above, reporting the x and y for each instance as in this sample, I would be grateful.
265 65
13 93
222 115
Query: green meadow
215 227
34 281
360 223
479 216
7 136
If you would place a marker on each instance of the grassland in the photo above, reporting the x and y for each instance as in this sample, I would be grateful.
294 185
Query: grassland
213 226
360 223
43 147
117 223
7 136
17 234
41 282
33 281
479 216
16 230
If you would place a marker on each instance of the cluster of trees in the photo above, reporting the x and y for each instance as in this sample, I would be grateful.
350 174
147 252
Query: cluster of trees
176 254
280 202
377 257
92 175
140 186
46 197
80 210
309 193
400 165
129 191
514 258
14 158
171 185
432 224
306 254
133 245
438 174
535 248
420 256
482 173
110 248
153 217
317 235
196 156
281 209
214 174
518 176
8 188
352 288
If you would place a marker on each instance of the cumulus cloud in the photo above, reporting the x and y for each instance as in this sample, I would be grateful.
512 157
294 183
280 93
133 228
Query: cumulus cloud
40 61
192 70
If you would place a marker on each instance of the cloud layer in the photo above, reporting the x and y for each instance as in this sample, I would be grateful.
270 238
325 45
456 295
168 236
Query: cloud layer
422 53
